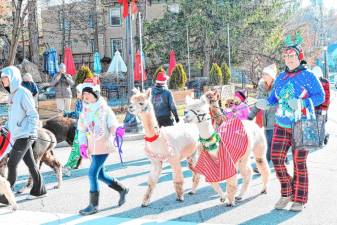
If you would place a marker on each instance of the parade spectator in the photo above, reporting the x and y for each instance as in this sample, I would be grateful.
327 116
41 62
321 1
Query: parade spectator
294 88
28 82
63 83
163 102
22 124
322 109
237 106
74 156
263 90
97 125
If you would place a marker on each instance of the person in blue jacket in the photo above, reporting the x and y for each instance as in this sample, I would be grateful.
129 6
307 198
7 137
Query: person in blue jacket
296 92
163 102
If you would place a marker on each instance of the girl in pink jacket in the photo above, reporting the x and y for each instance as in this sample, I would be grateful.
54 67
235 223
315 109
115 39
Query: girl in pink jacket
97 126
237 107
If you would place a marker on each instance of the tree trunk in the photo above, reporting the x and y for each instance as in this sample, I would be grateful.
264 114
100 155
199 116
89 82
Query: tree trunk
207 52
15 31
33 33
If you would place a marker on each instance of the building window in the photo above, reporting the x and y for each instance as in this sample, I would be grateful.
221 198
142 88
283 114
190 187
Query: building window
115 16
91 21
92 45
116 44
66 22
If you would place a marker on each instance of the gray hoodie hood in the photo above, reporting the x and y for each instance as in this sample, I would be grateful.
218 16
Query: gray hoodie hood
14 76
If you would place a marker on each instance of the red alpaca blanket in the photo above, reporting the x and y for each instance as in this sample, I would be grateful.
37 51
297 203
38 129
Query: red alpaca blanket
232 148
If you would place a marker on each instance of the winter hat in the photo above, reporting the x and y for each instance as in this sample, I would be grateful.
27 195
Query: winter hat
241 95
297 49
162 78
62 66
27 77
270 71
91 86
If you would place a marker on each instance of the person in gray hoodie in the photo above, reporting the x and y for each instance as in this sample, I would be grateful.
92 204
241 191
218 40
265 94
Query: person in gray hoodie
163 103
22 124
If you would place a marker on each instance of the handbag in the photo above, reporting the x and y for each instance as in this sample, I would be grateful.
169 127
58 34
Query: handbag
306 132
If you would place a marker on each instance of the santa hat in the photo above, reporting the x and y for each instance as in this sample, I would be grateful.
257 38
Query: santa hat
241 95
269 70
90 86
161 78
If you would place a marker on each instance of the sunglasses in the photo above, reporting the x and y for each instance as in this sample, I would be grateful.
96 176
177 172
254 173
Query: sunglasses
290 56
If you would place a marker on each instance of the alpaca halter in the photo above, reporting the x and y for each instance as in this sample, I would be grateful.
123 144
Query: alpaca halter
212 143
200 116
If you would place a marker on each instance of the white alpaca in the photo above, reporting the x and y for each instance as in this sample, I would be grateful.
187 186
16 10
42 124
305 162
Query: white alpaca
197 112
168 144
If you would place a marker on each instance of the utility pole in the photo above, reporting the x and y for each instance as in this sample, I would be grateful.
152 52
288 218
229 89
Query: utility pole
188 52
63 28
229 50
324 41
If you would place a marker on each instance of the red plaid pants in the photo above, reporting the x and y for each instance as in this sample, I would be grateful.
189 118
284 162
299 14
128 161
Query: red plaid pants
295 186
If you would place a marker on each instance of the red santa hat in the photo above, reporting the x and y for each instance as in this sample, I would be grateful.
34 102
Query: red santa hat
91 86
162 78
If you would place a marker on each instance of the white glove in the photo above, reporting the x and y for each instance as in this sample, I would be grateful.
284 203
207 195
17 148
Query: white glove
262 104
294 104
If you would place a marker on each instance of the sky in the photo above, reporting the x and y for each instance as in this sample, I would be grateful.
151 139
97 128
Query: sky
327 3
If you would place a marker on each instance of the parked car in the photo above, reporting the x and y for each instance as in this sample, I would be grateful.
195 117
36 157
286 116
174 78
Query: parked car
46 92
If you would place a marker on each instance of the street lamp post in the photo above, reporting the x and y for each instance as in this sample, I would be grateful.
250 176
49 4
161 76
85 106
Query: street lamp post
188 53
326 65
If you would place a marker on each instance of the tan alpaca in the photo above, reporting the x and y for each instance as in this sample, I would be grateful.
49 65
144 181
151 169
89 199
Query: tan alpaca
197 112
168 144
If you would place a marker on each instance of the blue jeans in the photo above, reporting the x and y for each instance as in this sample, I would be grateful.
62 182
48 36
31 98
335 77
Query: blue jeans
269 137
96 172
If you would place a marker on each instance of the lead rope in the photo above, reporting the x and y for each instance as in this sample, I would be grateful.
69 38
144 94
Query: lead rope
118 143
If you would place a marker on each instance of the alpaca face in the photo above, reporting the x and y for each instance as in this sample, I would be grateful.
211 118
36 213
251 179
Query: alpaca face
140 102
196 110
212 96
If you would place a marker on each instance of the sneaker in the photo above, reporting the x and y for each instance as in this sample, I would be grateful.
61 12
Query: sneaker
66 171
282 202
297 207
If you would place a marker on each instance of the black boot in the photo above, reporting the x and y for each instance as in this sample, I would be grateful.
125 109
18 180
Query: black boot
93 204
122 190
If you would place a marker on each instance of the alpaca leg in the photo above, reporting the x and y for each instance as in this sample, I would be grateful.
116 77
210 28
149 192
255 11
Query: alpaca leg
246 173
264 169
195 180
195 176
178 180
259 152
216 187
156 167
231 190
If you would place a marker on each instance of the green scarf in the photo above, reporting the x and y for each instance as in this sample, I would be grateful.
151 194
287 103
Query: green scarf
212 143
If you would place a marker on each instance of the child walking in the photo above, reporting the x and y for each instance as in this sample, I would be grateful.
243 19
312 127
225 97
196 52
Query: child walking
74 157
97 125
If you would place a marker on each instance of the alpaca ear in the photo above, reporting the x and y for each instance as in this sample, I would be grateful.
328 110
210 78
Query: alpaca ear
135 90
203 99
148 93
188 100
